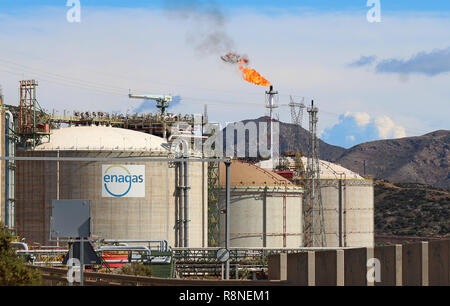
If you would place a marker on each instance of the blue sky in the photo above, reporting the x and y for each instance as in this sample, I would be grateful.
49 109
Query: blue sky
388 5
392 75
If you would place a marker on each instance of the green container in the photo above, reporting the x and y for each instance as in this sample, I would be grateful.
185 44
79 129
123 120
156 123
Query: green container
159 268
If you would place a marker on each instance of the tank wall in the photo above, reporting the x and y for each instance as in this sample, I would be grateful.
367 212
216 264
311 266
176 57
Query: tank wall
358 216
150 217
2 167
256 219
330 202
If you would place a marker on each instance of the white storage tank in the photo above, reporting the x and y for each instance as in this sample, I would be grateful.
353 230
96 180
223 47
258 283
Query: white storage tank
348 204
129 200
349 197
266 209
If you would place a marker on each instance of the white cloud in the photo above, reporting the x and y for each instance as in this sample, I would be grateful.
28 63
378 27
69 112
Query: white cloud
351 138
355 128
388 129
362 119
146 51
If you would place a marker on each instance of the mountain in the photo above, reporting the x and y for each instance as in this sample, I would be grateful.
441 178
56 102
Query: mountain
293 138
423 159
411 210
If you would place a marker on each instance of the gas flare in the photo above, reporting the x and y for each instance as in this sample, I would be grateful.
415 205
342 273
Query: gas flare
250 75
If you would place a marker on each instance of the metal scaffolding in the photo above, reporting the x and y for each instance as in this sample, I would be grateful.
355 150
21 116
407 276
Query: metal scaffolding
313 217
297 110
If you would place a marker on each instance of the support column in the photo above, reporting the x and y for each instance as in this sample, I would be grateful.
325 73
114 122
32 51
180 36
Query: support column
398 265
425 268
370 255
311 268
340 271
283 266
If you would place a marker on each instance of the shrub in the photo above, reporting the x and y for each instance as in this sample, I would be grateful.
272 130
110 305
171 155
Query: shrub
137 269
13 271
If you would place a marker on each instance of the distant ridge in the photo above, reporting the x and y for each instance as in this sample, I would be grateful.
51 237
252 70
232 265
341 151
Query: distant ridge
421 159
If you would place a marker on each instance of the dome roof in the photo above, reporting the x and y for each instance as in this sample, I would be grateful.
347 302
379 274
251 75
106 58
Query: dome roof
95 138
245 174
328 170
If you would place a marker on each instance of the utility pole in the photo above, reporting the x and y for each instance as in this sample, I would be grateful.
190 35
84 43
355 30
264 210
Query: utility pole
297 110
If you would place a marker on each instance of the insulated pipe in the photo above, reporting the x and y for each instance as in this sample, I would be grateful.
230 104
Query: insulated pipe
340 212
181 209
177 202
125 248
9 175
186 204
20 244
164 244
227 219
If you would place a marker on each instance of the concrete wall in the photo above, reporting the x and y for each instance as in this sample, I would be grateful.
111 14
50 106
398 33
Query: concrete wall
355 270
151 217
438 263
387 255
420 264
326 268
298 268
412 264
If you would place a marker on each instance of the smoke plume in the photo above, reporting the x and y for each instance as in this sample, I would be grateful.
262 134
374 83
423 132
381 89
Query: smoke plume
207 34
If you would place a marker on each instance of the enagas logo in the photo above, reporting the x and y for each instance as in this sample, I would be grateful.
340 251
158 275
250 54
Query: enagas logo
123 181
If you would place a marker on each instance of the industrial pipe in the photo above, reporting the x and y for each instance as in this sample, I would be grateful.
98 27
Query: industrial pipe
20 244
164 244
340 211
9 172
186 204
227 218
106 248
115 248
181 209
177 204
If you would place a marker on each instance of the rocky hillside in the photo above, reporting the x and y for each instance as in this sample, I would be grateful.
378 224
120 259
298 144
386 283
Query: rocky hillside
411 210
295 138
424 159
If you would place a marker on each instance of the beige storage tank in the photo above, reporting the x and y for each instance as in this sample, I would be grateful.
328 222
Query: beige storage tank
348 204
349 197
266 209
129 200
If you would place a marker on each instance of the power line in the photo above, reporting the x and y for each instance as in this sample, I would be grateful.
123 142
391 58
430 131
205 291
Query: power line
121 91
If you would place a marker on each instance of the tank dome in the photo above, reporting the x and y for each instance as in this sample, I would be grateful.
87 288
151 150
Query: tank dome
245 174
101 138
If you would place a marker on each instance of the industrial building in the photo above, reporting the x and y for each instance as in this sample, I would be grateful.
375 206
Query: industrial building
140 189
141 206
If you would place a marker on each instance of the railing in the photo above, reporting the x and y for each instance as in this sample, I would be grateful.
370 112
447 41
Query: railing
56 276
202 262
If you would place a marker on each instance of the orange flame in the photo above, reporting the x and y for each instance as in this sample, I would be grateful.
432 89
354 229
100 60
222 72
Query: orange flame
249 75
252 76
